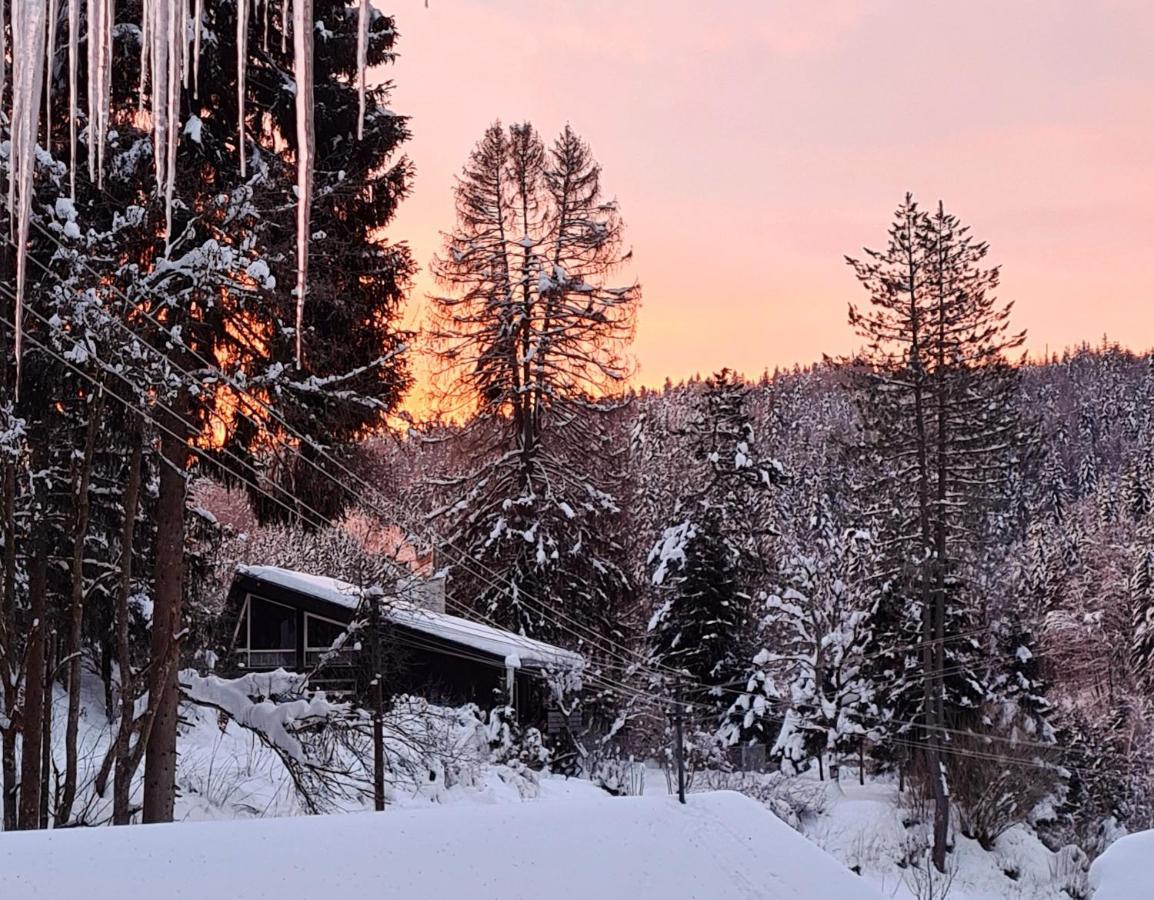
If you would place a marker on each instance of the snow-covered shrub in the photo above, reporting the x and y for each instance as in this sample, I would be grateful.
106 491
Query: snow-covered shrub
511 744
996 782
1070 871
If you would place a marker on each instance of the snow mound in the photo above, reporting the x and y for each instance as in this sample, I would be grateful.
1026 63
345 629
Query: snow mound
721 845
1123 871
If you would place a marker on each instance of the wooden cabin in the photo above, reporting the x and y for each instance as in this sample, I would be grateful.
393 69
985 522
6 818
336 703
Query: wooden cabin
286 619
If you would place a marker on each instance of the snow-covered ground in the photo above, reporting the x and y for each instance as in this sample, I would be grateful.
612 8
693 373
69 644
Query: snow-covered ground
719 846
455 790
865 828
878 832
1126 870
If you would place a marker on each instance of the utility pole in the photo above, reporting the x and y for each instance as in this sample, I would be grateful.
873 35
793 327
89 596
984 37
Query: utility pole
679 741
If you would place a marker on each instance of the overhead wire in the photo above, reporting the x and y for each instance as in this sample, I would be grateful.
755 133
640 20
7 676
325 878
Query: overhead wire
558 618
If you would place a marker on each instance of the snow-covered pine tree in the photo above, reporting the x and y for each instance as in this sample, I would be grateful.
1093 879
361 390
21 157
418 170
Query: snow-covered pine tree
531 331
811 672
709 562
938 399
1142 617
699 627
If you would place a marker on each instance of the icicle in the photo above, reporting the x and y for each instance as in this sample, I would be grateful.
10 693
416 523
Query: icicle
362 57
303 61
284 16
146 24
196 49
3 52
73 102
100 16
177 35
29 23
49 58
184 73
264 39
242 10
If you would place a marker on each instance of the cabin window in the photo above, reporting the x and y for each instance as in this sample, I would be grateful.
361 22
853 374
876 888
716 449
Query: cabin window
274 627
320 633
319 636
272 633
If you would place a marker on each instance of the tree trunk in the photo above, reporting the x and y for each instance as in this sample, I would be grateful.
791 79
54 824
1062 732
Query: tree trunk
125 761
378 702
80 481
941 796
33 719
46 726
8 667
168 589
927 569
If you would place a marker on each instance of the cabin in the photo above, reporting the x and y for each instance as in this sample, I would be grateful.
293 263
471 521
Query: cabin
286 619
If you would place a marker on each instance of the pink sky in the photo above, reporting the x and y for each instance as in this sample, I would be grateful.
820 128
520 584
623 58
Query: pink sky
753 143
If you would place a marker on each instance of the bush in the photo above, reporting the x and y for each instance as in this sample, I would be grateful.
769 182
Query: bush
995 784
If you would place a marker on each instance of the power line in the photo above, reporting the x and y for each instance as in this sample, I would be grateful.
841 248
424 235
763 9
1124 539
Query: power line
519 640
591 637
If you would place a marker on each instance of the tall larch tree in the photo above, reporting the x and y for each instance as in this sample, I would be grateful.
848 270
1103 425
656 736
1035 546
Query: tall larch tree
937 395
531 330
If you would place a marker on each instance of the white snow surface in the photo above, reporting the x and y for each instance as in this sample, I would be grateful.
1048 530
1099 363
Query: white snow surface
1123 872
476 635
720 845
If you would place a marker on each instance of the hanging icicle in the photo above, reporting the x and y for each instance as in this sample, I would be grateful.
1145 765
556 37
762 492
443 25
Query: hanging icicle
3 52
29 23
167 53
49 62
242 11
196 49
145 50
362 63
303 60
100 15
73 100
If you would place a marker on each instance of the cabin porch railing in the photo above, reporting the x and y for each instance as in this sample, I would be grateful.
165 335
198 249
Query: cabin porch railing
268 659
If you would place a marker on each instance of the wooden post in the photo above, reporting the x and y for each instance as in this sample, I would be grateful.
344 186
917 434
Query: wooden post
679 744
374 598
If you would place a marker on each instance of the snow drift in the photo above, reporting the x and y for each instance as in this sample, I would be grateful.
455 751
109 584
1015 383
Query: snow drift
1123 871
721 845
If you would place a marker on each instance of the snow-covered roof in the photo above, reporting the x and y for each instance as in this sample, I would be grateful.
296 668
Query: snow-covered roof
515 649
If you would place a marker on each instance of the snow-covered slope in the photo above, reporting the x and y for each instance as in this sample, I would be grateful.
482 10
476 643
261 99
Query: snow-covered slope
720 846
1126 870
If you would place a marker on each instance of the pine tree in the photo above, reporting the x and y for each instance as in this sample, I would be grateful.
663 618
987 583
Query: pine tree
697 630
1142 617
708 564
818 633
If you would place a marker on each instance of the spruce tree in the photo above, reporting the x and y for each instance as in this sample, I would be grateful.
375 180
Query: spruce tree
698 629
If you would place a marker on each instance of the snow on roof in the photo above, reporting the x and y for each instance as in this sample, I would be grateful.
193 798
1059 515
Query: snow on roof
515 649
718 845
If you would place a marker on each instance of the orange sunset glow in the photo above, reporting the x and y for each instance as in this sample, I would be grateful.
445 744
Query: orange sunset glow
752 144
